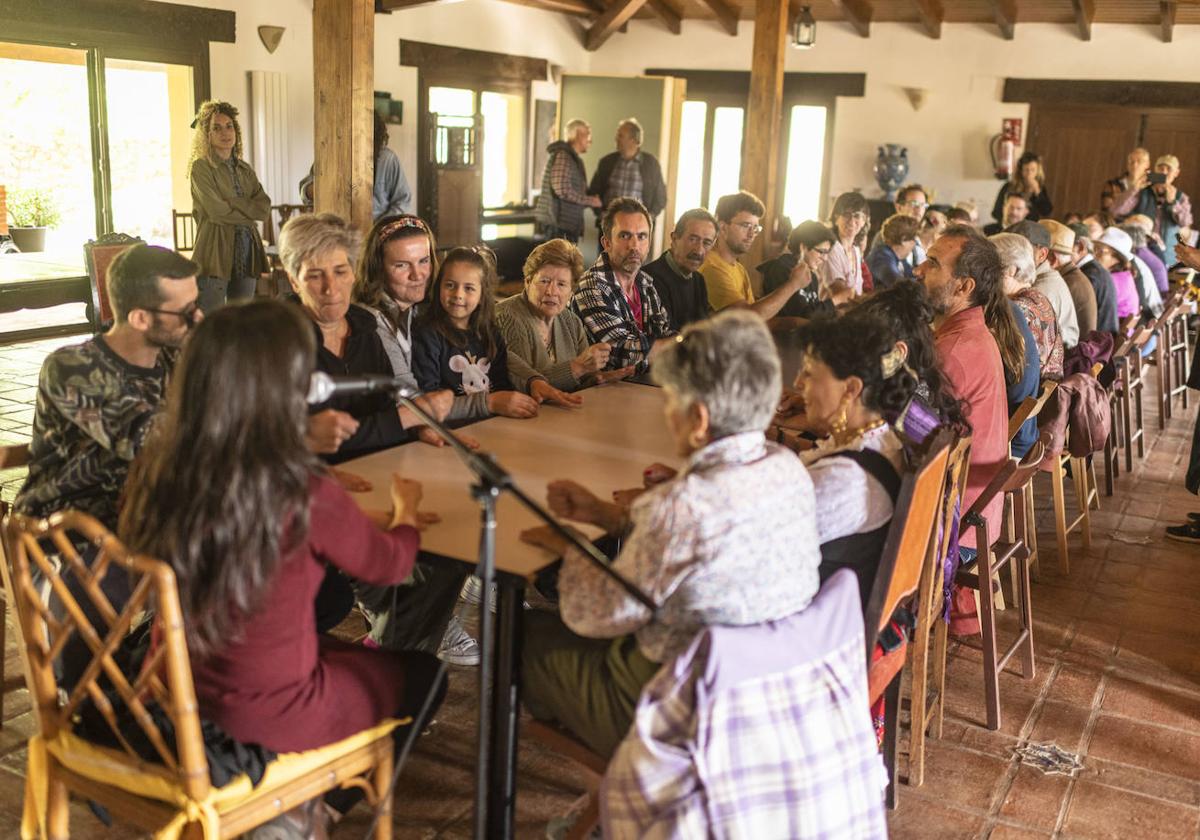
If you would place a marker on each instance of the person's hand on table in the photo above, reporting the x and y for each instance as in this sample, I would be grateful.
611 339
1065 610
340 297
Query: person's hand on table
429 436
351 482
613 375
512 404
571 500
657 473
591 360
543 391
425 518
328 430
406 498
625 498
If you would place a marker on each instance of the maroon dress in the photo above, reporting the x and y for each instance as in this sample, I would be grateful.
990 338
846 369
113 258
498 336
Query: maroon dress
280 684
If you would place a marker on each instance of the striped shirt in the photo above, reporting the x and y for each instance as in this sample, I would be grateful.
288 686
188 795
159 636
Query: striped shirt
605 311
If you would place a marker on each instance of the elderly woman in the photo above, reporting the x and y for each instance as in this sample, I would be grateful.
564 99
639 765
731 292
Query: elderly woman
318 253
1017 258
731 539
548 352
228 202
1113 249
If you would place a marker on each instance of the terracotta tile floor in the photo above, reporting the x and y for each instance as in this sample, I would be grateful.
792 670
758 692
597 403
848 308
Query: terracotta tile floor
1118 682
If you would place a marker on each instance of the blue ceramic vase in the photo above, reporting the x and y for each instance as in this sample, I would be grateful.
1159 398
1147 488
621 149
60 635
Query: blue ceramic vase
891 167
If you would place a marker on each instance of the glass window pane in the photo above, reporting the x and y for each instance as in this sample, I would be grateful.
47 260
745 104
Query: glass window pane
45 141
805 161
150 109
726 154
503 148
691 156
452 102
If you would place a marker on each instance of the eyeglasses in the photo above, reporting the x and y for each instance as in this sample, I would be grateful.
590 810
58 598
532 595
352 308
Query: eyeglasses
916 204
824 252
188 313
856 216
749 227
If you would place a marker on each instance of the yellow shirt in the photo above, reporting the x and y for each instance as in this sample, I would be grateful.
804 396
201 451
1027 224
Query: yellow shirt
727 283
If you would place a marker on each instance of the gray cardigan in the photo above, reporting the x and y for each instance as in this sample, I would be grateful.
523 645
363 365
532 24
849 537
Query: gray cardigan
527 356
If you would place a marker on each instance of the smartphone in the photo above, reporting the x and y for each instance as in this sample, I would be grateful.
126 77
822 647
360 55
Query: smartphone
1156 177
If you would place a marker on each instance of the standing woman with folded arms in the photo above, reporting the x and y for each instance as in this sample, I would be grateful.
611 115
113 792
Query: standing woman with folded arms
228 202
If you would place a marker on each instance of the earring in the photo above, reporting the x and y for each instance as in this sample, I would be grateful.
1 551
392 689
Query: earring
838 427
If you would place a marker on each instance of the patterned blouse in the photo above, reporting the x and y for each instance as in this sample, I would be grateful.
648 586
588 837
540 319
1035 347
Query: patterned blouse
731 540
1044 326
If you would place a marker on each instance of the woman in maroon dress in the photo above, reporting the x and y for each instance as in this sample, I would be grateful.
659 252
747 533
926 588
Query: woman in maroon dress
228 494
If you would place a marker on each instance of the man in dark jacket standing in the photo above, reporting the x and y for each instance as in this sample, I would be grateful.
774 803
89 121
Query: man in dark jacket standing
564 185
630 172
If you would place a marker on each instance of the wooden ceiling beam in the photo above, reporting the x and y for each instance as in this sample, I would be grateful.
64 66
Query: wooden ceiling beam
726 16
668 14
1085 13
1168 8
1006 17
613 18
858 14
931 13
579 8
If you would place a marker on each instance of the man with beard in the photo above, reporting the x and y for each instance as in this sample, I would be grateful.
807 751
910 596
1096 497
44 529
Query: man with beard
615 298
963 275
727 279
1016 209
96 400
676 274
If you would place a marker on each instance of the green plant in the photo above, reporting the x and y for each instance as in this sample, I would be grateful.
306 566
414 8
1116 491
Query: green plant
32 208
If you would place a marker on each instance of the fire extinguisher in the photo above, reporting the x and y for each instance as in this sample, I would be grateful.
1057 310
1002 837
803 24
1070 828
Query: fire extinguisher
1003 148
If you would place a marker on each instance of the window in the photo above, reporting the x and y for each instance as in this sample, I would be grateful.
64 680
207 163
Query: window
689 185
726 154
805 163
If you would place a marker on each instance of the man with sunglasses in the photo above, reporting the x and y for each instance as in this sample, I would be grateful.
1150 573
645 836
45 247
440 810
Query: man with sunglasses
96 400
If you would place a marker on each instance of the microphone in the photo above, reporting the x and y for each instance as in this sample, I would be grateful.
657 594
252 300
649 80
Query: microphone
323 387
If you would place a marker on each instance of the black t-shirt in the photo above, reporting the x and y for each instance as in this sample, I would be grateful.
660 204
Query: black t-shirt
805 303
684 297
465 369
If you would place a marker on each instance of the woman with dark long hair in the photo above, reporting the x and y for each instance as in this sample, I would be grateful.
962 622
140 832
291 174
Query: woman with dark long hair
1028 180
842 270
229 495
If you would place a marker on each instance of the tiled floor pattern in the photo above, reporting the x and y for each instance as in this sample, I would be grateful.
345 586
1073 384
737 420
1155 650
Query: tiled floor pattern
1118 682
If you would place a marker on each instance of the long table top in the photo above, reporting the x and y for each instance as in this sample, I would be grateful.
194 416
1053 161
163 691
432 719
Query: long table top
604 445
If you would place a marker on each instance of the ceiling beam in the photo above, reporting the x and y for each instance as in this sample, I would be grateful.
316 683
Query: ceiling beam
1168 8
932 13
1085 13
668 14
613 18
727 17
858 14
1006 17
571 7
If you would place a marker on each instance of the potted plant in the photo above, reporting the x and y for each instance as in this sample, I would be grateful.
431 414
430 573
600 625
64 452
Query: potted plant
31 212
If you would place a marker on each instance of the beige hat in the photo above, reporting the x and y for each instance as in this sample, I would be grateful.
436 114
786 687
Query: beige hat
1169 160
1062 238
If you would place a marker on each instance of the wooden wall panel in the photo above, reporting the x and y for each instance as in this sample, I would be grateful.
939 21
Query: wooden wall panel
1081 147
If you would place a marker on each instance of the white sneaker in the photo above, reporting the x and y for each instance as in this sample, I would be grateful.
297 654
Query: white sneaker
472 593
458 647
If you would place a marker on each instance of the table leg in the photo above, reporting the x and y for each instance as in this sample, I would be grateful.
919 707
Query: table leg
506 707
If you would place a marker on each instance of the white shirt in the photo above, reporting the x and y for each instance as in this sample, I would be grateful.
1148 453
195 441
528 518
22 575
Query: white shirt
840 265
849 499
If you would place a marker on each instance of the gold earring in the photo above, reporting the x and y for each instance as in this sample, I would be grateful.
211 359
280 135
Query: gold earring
838 426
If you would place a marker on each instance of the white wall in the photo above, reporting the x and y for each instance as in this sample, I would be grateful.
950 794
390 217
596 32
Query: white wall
963 73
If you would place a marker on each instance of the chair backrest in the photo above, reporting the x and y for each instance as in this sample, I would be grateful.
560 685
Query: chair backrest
914 523
99 254
183 226
1030 407
283 212
51 547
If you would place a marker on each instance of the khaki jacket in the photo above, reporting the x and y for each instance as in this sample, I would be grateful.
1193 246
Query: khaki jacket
218 211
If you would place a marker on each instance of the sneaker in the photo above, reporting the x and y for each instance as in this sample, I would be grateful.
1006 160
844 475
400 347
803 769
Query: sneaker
472 593
458 646
1188 533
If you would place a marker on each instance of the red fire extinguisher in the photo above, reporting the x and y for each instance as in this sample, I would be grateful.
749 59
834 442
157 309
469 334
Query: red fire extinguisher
1004 148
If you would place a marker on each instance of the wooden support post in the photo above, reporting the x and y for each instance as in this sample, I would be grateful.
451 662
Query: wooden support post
1168 9
1085 13
764 118
1006 17
343 73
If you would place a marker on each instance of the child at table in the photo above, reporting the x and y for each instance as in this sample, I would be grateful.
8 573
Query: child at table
456 343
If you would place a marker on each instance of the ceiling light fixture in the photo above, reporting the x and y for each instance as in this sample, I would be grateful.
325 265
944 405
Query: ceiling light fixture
804 30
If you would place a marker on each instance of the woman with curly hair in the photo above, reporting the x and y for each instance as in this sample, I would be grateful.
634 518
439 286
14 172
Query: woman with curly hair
228 202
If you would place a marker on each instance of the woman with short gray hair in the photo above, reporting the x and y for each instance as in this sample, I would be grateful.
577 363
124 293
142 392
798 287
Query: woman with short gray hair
729 539
1017 258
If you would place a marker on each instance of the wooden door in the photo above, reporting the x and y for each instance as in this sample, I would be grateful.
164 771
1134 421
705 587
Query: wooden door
1081 146
1176 132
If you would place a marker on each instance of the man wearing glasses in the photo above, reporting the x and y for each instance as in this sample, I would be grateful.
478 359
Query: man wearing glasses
912 201
727 280
96 400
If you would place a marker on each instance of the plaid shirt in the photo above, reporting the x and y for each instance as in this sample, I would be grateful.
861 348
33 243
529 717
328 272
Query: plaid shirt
756 732
626 179
601 305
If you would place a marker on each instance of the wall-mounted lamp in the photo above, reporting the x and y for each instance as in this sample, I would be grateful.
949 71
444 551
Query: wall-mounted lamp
804 30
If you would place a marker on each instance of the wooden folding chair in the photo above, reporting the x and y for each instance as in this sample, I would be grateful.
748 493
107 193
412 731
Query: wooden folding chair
992 557
1087 496
1029 407
1160 357
927 667
1178 350
1129 386
165 785
898 579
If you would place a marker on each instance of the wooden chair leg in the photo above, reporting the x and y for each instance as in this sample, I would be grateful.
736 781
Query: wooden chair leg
1164 387
941 644
987 621
1140 413
1031 530
891 722
3 647
382 780
589 818
1079 478
1127 416
1060 515
919 696
58 810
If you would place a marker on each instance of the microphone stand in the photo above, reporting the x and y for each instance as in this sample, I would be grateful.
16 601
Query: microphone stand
491 480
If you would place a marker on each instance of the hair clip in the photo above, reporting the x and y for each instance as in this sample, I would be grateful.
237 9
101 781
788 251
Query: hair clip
400 224
893 360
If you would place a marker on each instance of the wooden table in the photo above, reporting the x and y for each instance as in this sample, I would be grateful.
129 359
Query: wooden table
605 445
37 281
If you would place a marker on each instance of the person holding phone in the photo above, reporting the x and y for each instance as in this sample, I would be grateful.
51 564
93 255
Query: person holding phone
1159 198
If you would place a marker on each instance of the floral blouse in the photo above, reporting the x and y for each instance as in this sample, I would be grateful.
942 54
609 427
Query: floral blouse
1044 326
